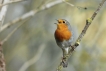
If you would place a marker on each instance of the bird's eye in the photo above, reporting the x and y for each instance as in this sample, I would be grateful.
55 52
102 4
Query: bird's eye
63 21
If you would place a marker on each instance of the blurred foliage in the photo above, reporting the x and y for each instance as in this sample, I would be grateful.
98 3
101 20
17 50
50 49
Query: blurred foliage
24 43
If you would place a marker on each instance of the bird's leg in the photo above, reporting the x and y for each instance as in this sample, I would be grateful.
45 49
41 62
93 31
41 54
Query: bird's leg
65 52
65 55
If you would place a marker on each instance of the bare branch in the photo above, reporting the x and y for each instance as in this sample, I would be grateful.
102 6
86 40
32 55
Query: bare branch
10 34
34 59
88 22
74 5
10 2
3 12
2 61
69 3
2 16
30 14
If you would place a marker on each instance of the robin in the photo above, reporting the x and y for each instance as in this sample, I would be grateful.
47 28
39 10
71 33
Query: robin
63 36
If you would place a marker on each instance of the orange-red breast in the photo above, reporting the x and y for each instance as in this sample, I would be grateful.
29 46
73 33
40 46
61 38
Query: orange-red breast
63 35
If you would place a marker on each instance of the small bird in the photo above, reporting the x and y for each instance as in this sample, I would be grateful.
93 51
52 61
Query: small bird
63 36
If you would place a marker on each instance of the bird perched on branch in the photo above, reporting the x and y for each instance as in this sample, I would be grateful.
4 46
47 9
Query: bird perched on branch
64 36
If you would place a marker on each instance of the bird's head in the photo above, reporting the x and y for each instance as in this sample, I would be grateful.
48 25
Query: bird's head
61 24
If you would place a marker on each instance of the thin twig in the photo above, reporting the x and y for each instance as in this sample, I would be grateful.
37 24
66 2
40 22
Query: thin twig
74 5
10 34
30 14
2 60
69 3
10 2
88 22
4 9
3 13
34 59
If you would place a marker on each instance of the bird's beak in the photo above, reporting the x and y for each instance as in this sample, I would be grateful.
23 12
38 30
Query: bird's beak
57 21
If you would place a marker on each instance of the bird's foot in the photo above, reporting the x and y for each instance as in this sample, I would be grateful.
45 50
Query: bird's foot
64 62
72 48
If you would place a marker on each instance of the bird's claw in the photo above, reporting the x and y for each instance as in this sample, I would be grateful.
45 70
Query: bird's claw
72 48
64 62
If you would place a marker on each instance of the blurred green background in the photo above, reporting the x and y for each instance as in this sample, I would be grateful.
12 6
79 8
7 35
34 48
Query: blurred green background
38 32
